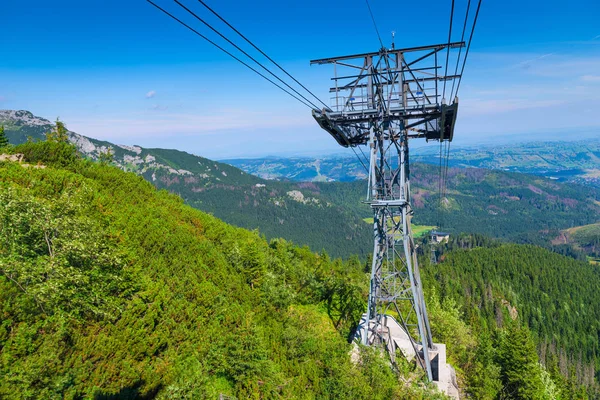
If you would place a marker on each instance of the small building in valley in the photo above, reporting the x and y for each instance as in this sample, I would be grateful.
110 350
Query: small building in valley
439 237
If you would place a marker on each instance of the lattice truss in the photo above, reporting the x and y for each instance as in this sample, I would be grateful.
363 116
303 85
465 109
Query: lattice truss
398 88
382 100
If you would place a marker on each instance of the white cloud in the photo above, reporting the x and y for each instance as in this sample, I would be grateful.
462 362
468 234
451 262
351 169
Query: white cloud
591 78
159 123
576 66
150 94
527 64
473 107
501 97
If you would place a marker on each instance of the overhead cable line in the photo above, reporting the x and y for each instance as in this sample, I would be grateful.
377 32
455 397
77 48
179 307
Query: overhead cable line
443 179
311 106
468 46
442 143
261 52
448 49
440 180
243 52
364 155
357 156
225 51
359 159
447 159
462 38
374 23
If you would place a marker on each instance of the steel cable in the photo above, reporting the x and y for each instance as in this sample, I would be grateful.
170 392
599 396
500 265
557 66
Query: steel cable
225 51
468 46
243 52
462 38
261 52
374 23
448 49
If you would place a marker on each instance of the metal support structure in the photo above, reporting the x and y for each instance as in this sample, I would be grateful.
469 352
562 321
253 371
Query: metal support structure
433 259
385 99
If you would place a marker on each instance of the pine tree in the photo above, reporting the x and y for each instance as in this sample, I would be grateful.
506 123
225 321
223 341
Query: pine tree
58 133
106 157
3 139
520 372
484 376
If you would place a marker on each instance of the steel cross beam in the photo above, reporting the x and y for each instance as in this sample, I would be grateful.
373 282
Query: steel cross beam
437 47
386 99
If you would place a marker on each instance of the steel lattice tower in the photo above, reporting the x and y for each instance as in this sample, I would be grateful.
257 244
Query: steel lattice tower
384 99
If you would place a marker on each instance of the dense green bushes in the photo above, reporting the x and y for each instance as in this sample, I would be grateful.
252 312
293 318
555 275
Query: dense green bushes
62 260
110 288
51 153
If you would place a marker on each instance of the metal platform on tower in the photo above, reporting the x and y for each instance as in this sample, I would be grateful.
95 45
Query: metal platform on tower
389 86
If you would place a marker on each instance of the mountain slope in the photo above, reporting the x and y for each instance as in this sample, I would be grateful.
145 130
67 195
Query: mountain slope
323 169
112 289
21 125
277 209
551 294
515 207
585 238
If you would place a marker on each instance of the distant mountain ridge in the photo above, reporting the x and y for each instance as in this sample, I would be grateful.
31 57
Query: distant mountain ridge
574 161
322 169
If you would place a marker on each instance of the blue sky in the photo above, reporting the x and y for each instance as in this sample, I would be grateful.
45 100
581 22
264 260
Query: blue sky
124 72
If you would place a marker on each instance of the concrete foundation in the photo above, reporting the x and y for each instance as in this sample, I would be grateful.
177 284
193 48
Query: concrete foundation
396 338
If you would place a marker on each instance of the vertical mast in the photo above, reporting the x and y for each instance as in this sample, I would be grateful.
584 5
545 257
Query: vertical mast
385 119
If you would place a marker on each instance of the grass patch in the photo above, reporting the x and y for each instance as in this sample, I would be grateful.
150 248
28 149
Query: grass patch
420 230
593 260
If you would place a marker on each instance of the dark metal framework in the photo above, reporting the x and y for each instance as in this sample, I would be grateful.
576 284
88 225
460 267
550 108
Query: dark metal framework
382 100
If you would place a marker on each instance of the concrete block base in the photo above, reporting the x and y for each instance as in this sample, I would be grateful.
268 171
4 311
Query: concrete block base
396 338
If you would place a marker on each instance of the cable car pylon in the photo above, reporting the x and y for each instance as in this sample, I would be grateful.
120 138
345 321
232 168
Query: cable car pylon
384 100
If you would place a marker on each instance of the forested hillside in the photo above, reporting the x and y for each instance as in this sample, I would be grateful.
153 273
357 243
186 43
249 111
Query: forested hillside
295 211
510 206
554 296
518 207
585 238
111 289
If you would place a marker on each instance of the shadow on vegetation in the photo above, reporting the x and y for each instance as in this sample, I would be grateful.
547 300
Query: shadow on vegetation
131 392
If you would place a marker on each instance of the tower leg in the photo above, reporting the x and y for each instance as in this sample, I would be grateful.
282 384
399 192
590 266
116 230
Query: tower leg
395 286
